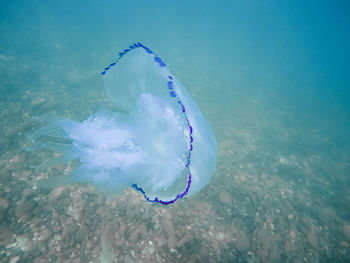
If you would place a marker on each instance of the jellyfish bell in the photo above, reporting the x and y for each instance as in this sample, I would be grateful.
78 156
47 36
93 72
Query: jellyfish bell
160 144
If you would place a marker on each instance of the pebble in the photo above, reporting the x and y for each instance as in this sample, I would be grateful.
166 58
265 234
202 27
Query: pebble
243 242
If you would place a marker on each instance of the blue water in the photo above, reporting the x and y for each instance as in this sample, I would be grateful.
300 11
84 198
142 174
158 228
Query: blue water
272 79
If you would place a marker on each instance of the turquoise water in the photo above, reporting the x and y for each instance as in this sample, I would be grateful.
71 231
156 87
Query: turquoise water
271 78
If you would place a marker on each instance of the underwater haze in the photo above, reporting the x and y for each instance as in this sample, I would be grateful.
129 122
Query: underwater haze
272 80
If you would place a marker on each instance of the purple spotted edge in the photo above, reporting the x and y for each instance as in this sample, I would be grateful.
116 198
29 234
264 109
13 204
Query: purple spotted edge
172 93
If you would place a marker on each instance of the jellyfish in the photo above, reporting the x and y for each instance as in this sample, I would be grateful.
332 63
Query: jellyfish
158 142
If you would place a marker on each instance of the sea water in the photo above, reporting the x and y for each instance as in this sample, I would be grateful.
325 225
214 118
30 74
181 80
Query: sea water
271 78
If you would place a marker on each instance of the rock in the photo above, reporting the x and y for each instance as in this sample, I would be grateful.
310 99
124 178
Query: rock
38 101
122 232
45 235
276 238
62 205
243 242
186 238
168 227
225 198
5 232
346 229
24 175
24 243
172 241
70 229
56 193
14 259
134 236
128 259
4 145
4 204
100 199
312 239
5 177
275 256
161 241
57 237
292 234
290 249
305 220
261 235
166 214
151 250
204 253
82 233
25 210
262 254
2 216
57 228
107 237
36 221
143 229
220 236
